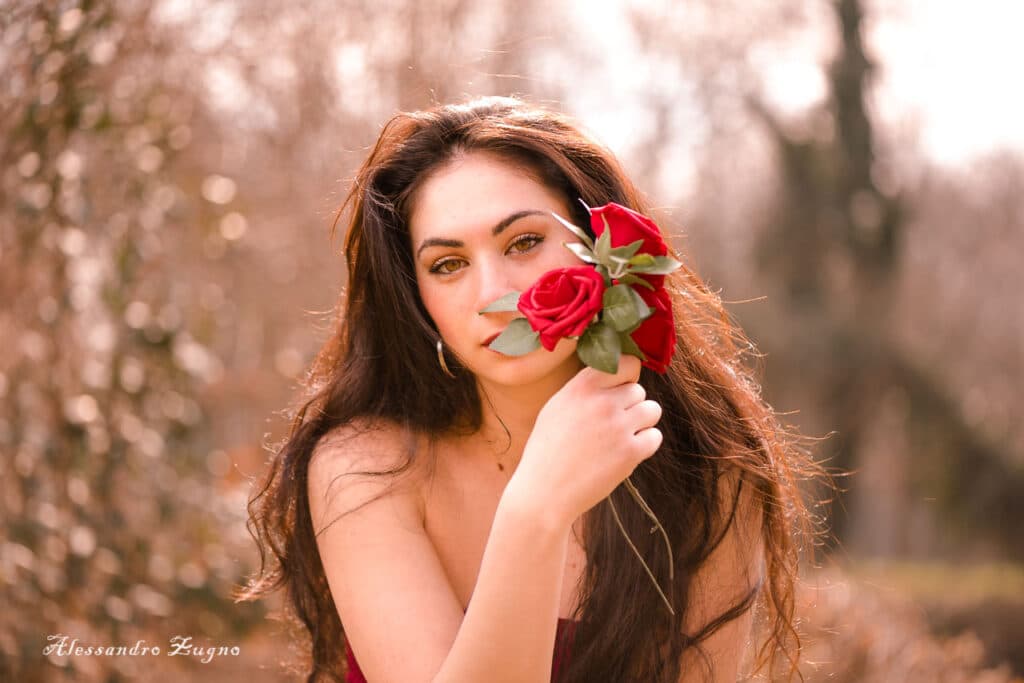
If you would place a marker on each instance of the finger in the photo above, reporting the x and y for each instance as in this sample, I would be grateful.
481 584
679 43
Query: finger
628 371
629 368
647 413
647 442
628 395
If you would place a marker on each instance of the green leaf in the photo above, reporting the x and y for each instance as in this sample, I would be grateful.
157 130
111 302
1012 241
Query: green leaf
509 302
643 311
624 308
628 279
579 232
629 250
629 346
518 339
600 348
603 247
660 265
642 260
620 311
581 251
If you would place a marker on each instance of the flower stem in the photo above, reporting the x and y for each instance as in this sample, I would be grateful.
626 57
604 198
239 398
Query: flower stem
631 487
625 535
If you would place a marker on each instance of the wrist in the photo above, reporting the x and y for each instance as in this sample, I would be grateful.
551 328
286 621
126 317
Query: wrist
530 509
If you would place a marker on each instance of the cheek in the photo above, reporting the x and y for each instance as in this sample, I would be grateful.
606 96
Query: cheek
441 307
430 301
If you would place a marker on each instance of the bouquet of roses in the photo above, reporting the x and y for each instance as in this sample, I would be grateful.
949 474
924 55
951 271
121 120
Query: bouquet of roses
616 303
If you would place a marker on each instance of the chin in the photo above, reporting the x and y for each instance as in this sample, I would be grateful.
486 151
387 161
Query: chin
531 368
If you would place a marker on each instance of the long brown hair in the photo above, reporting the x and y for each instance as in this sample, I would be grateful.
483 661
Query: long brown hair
380 364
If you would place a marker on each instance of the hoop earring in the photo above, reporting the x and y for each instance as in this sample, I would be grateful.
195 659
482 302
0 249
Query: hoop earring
440 359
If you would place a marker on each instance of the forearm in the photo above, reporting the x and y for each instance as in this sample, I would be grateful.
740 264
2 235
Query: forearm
508 633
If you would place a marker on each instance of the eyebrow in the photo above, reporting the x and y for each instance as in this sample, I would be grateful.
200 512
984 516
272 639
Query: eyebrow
495 231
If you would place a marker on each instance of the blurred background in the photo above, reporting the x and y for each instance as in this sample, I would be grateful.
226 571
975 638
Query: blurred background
848 174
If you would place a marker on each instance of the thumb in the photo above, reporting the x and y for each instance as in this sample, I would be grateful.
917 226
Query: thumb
627 372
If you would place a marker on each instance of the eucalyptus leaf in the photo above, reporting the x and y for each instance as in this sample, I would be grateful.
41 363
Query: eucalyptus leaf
576 230
509 302
581 251
518 339
600 348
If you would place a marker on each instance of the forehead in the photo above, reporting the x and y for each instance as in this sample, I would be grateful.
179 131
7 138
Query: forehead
475 191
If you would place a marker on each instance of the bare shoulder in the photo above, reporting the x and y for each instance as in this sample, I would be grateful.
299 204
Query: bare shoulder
368 458
383 571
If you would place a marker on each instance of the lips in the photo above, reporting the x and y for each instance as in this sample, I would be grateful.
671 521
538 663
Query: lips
487 342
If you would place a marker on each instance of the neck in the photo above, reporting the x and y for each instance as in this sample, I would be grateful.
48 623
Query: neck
515 409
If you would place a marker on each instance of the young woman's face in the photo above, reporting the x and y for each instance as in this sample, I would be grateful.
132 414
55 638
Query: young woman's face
481 227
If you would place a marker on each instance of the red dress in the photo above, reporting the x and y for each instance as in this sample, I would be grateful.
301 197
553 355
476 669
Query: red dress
355 675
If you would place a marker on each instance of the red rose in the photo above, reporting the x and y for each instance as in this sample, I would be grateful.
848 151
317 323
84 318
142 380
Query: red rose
628 226
562 302
656 335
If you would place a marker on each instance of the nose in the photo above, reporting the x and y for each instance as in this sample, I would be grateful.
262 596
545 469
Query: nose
493 282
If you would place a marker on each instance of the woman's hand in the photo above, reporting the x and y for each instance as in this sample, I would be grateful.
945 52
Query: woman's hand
589 436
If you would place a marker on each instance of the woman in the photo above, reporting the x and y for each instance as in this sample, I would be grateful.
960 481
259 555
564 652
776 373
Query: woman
438 511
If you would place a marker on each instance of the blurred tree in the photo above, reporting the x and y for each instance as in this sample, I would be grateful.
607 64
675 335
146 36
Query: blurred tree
115 529
808 196
833 251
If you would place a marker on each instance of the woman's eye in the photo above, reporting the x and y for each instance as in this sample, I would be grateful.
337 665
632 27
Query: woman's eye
443 266
526 243
450 266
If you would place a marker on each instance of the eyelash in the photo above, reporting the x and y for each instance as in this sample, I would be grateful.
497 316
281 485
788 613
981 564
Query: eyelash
437 266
